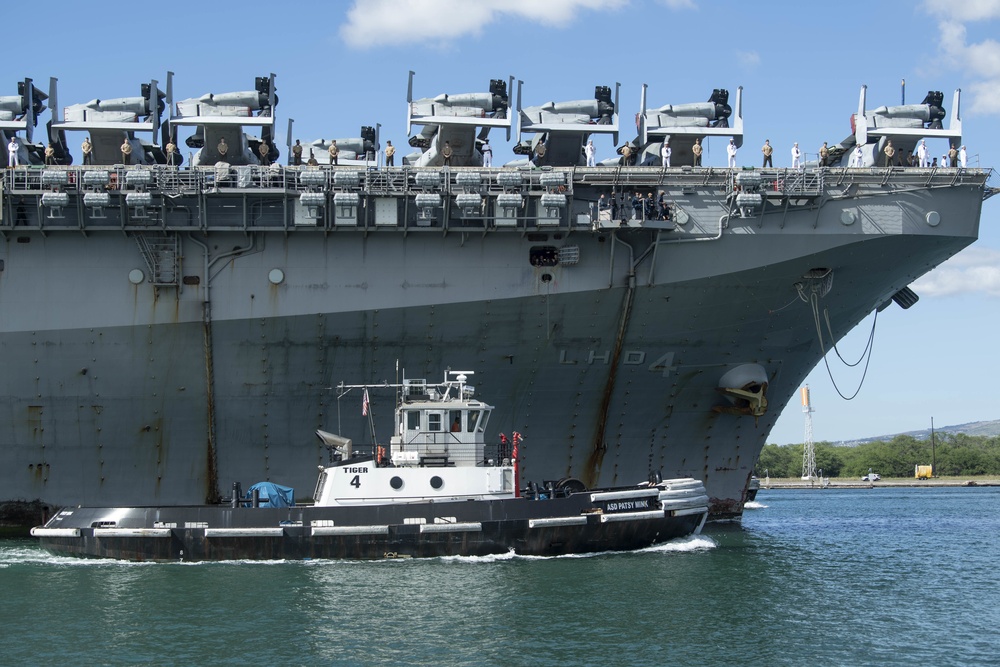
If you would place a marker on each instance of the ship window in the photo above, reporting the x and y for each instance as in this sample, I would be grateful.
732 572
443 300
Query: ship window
545 255
473 418
434 421
455 419
482 422
413 421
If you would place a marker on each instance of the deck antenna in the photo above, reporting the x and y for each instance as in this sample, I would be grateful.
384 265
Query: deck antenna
808 449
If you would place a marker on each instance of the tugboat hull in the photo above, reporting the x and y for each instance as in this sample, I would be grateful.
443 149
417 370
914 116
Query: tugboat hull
574 524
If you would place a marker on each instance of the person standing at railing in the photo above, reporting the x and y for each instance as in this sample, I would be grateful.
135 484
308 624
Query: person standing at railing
731 152
87 149
390 154
590 152
922 154
297 153
665 153
264 149
796 157
767 150
223 149
696 152
540 149
889 152
626 154
126 149
14 146
171 153
858 157
824 155
50 155
334 153
963 157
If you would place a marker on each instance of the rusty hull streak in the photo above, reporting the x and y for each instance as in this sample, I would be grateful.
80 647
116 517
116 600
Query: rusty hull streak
592 470
212 469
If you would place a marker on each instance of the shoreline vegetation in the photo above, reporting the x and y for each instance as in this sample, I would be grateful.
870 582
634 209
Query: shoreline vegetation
953 455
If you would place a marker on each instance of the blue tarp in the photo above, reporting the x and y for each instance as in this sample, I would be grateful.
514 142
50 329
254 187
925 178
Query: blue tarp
273 495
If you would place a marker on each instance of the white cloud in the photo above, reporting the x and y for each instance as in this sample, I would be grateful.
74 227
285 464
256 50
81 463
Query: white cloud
372 23
981 59
748 59
679 4
974 270
964 10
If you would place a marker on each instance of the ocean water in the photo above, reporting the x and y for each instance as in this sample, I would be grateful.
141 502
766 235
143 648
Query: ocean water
827 577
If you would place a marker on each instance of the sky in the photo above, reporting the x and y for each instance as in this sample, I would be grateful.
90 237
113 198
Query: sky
344 64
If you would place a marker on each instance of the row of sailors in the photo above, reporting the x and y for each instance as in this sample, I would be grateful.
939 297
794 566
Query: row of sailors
953 158
922 157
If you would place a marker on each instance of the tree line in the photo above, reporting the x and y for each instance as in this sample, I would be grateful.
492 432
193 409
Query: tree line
955 454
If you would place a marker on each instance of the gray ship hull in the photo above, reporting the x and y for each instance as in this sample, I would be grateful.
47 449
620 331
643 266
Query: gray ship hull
609 361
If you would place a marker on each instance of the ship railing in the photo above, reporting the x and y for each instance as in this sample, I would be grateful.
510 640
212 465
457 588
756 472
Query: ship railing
404 180
263 198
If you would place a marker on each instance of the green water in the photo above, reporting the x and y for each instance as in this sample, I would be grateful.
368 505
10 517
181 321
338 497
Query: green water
852 577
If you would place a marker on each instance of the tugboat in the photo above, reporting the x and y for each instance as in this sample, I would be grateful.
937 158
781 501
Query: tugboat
438 490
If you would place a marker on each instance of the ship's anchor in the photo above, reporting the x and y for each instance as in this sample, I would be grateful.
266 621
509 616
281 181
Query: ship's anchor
749 400
745 387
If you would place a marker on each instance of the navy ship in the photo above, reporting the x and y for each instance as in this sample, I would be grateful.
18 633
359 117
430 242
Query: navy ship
170 328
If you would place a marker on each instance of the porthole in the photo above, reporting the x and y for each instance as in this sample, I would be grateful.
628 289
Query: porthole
396 483
436 482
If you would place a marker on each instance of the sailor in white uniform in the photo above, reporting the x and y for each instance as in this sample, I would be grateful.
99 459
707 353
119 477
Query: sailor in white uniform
487 151
796 156
963 157
665 154
14 146
589 151
731 151
923 154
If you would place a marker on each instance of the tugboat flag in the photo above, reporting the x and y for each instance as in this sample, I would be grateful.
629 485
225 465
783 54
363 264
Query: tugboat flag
364 404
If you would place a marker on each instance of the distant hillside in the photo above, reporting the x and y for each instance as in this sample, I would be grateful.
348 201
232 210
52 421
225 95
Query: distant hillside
987 428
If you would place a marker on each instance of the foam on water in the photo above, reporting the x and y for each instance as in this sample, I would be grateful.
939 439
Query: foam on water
754 505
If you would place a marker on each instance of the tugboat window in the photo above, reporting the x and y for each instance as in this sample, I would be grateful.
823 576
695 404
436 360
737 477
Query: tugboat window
434 421
472 419
413 421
